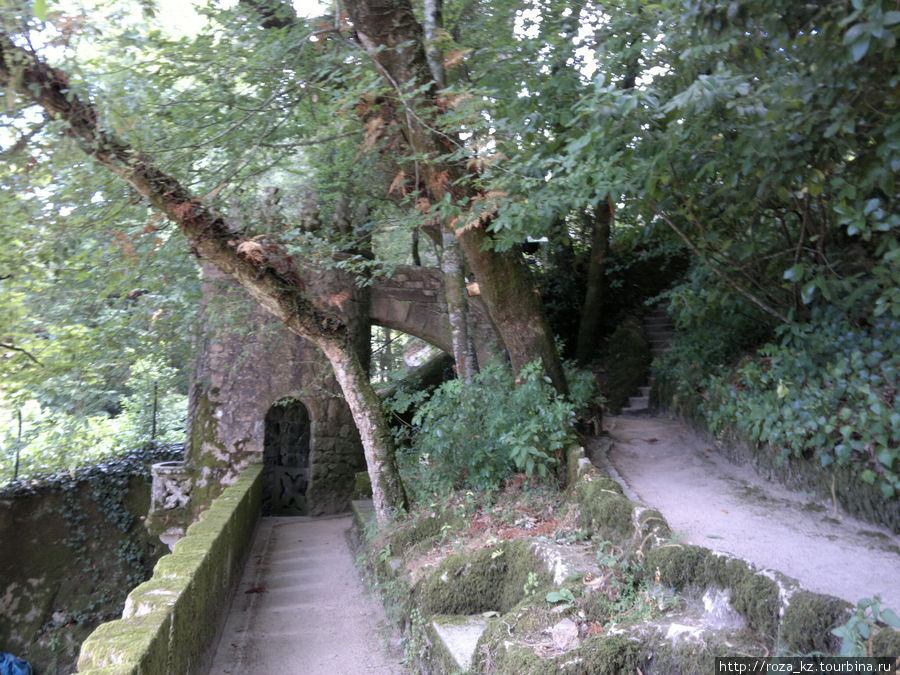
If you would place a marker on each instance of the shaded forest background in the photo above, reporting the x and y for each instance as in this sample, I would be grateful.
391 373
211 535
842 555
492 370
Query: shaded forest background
734 161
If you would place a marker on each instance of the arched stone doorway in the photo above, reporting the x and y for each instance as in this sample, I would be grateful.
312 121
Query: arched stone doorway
286 459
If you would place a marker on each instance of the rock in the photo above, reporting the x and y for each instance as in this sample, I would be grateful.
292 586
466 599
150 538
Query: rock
565 634
719 613
679 631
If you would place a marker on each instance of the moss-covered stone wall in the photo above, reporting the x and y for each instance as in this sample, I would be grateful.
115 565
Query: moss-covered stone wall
245 362
629 597
170 622
71 547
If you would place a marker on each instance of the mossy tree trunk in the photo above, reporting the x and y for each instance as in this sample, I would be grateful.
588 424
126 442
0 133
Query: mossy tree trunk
390 32
263 268
378 442
591 310
456 296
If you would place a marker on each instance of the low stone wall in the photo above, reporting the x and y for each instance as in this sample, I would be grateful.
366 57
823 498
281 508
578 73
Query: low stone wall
632 600
169 622
72 546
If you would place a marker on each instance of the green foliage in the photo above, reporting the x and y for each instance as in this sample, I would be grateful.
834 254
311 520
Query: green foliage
857 633
826 390
51 441
477 435
713 327
562 598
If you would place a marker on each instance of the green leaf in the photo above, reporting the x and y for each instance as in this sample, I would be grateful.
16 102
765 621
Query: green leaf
795 273
888 615
808 292
40 9
859 49
562 595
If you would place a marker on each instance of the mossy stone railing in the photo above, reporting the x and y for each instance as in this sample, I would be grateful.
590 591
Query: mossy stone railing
170 621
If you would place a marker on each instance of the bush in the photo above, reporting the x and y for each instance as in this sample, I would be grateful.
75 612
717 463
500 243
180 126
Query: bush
475 435
828 391
713 328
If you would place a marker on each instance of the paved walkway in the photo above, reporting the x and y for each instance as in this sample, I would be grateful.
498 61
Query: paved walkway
727 507
302 608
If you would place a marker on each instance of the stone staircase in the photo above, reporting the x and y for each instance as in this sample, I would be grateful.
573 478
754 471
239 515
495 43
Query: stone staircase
659 328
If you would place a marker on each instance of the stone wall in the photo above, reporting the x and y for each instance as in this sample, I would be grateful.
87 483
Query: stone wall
246 361
71 547
170 623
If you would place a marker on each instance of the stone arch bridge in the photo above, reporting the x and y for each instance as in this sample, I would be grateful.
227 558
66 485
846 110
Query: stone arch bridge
411 300
247 365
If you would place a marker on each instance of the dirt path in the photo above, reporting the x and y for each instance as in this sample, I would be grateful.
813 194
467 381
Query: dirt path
301 606
725 507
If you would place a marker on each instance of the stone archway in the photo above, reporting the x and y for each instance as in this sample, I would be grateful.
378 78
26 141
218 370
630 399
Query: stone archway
286 468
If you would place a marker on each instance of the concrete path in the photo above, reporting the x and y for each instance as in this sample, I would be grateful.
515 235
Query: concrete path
302 608
711 502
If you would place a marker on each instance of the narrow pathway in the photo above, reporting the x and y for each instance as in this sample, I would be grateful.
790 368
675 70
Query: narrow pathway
302 608
711 502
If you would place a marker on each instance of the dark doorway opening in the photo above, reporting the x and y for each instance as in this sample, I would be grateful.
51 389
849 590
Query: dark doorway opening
286 459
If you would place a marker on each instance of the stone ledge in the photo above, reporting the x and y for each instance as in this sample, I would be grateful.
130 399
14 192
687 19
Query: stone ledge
170 621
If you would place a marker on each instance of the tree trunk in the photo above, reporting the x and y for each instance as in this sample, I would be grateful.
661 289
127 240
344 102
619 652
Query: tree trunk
591 310
434 22
389 31
388 494
452 264
515 307
263 267
457 307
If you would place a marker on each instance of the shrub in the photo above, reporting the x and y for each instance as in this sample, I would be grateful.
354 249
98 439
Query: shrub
828 391
475 435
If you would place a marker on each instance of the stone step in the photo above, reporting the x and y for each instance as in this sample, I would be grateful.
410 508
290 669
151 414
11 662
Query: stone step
639 402
455 639
634 411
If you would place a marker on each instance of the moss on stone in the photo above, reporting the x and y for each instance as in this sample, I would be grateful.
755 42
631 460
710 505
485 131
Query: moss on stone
420 528
754 596
677 564
808 620
489 579
138 642
610 654
189 589
652 521
598 607
886 642
604 510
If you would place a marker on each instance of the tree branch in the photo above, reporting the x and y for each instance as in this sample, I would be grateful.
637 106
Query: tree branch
719 273
6 345
314 141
